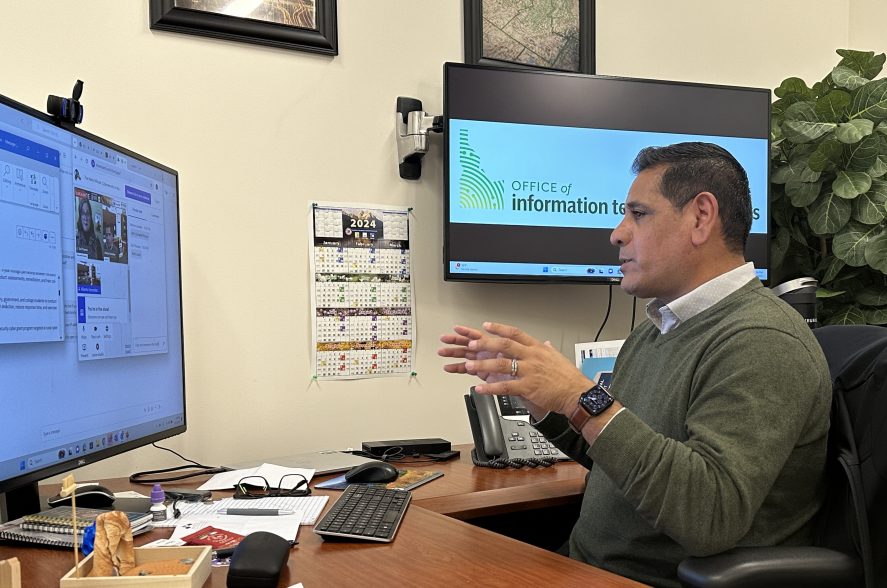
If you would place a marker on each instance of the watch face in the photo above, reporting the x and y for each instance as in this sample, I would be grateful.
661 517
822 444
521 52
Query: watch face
596 400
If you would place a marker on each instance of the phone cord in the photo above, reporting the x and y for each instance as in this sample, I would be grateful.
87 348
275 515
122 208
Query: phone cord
516 463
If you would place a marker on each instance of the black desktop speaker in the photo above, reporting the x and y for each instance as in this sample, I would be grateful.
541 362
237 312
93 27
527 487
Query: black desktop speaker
801 295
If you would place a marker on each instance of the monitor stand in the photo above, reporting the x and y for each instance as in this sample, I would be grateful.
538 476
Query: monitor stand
20 501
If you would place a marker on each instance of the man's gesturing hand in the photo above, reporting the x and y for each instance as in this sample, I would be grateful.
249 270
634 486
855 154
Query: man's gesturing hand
544 377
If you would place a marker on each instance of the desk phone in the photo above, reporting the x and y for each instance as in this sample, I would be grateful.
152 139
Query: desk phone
503 435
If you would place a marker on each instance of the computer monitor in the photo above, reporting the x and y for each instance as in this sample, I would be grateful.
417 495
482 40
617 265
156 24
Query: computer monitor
91 357
537 165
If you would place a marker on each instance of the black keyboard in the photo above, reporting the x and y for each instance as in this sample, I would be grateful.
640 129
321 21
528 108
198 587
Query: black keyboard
372 513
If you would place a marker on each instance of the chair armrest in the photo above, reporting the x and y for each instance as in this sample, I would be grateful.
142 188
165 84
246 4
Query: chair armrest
771 567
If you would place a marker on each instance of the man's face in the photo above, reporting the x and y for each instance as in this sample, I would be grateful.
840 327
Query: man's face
654 241
84 216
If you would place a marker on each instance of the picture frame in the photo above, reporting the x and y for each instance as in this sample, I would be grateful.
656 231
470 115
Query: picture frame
266 23
511 40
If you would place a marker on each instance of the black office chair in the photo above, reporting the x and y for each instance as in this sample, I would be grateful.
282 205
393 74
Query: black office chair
852 525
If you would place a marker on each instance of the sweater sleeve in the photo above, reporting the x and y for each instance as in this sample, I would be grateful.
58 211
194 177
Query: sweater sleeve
752 396
556 429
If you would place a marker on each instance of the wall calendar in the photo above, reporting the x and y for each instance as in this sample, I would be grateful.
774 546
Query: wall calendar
363 321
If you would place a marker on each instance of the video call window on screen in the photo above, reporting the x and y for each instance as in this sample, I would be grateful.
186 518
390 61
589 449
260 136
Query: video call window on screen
119 253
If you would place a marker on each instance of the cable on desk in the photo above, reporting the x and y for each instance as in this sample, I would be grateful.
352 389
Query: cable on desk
149 476
396 455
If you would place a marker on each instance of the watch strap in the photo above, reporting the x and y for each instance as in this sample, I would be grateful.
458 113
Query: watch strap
578 418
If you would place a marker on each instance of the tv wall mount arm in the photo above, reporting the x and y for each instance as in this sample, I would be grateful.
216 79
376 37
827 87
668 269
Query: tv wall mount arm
411 128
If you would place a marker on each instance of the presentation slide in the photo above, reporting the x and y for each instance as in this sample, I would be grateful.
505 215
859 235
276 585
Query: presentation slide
535 175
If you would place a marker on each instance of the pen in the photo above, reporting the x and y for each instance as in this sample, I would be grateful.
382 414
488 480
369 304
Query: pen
256 512
223 553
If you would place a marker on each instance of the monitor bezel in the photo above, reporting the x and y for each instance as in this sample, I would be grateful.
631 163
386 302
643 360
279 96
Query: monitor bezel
449 276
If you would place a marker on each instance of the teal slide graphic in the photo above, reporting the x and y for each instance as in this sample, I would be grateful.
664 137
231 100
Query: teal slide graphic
476 190
549 176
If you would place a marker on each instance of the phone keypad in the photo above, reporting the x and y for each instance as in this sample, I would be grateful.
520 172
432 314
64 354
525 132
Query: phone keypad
541 445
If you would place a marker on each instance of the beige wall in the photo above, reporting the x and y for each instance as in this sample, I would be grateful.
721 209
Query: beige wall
867 18
257 134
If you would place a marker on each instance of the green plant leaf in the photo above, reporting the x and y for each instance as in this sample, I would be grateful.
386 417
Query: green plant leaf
862 156
847 315
802 194
869 101
865 63
828 153
854 131
800 131
802 151
872 296
882 127
804 110
799 234
833 106
781 211
850 184
792 86
779 107
847 78
875 316
795 170
823 293
851 241
828 214
828 268
780 242
876 252
849 279
871 207
777 192
879 169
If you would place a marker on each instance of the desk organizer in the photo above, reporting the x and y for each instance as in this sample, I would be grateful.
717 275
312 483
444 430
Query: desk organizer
195 578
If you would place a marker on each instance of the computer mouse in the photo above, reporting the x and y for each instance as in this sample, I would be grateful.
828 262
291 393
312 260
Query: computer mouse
90 495
371 471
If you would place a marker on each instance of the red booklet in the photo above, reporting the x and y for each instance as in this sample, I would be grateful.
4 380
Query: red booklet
216 538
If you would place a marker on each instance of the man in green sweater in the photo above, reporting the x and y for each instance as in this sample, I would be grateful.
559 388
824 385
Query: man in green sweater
713 433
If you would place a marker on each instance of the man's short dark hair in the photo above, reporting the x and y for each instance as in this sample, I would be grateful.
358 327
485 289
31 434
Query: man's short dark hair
692 168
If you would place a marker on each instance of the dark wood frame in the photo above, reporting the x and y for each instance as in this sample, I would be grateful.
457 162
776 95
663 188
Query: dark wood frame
165 16
473 16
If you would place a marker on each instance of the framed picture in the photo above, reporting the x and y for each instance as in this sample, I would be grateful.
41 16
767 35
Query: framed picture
538 34
304 25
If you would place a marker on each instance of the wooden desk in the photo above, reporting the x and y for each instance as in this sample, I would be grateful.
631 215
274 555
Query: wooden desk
433 547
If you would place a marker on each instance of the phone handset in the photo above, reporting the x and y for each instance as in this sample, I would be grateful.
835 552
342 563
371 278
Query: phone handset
490 430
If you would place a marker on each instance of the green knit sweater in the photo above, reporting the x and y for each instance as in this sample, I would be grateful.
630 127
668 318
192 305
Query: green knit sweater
722 442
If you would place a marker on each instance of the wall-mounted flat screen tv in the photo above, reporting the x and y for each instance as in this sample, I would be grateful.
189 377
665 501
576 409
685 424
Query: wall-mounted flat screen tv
538 164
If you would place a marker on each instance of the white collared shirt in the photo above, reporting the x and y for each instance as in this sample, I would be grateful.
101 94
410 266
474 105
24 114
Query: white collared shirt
668 317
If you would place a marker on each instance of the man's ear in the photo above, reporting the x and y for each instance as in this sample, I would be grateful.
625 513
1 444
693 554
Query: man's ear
707 222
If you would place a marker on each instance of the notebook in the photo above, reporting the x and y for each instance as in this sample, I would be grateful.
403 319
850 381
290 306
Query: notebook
60 536
58 519
324 461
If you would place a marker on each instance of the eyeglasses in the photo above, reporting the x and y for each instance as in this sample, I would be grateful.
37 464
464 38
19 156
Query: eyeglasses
258 487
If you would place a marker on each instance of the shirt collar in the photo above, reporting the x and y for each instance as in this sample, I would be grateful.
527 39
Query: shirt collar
668 317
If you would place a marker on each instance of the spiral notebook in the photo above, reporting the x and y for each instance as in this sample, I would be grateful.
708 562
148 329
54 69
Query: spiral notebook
53 526
58 519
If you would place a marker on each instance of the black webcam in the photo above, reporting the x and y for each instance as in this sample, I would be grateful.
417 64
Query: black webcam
67 109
